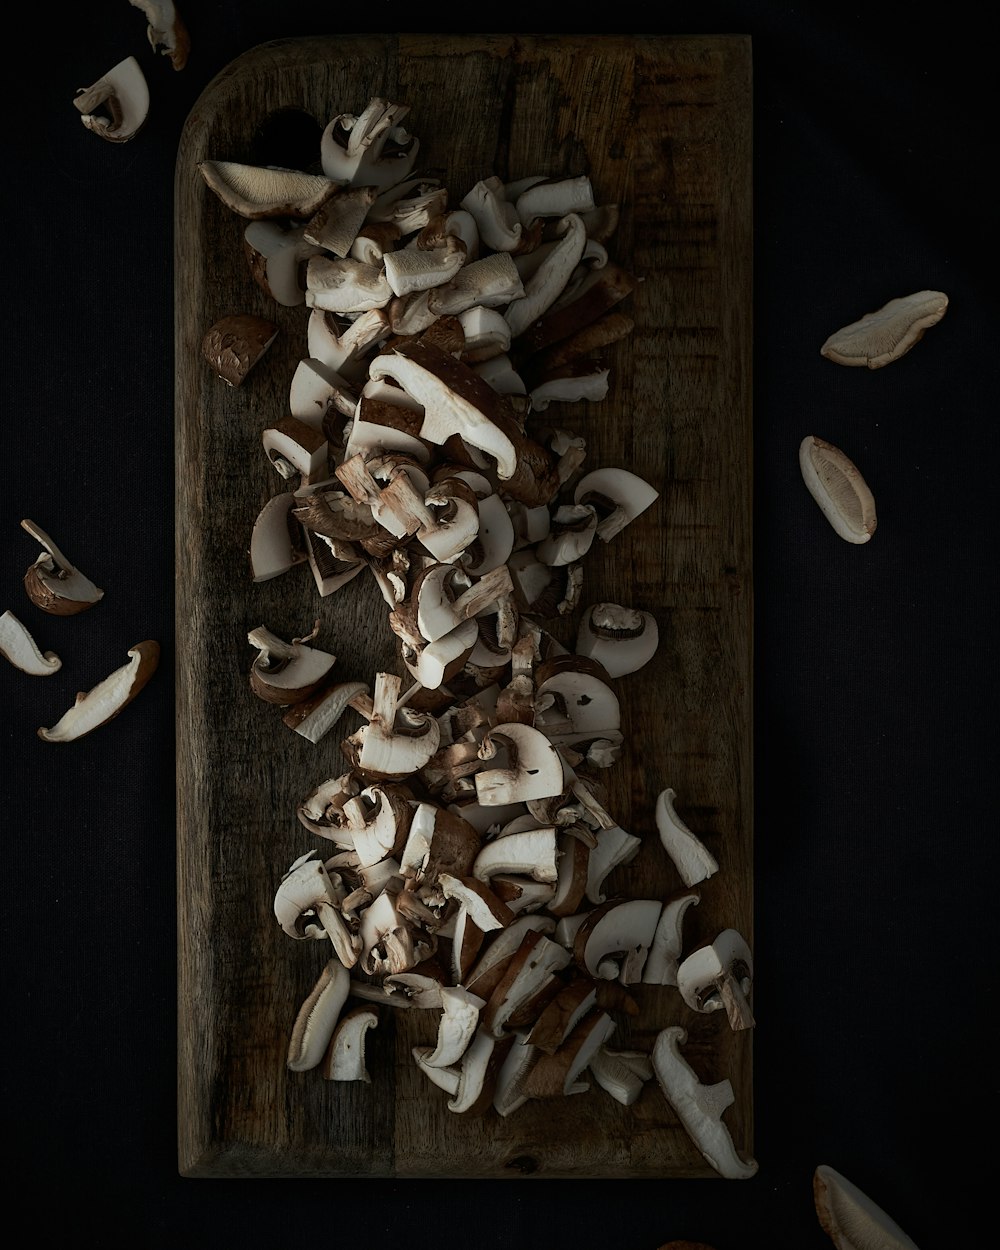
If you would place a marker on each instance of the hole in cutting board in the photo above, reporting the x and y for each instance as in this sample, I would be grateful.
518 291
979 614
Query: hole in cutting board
288 137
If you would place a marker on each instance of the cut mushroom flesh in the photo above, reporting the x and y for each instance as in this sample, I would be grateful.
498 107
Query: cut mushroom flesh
108 698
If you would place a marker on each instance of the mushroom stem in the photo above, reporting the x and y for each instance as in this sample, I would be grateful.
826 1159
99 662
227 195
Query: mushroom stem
735 1001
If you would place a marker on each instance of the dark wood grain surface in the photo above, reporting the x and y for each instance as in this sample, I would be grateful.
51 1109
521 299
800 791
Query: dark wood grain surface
663 127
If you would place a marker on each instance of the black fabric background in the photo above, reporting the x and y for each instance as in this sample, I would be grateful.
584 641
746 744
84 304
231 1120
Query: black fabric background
875 682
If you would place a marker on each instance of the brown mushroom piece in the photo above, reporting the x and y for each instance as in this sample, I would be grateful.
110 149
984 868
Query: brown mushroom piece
18 646
307 906
457 1026
285 672
314 716
53 583
878 338
117 105
235 343
108 698
165 30
850 1218
557 1074
699 1107
718 976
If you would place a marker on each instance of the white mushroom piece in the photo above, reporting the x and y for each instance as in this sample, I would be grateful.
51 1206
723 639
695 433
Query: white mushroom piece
317 1018
614 939
370 149
53 583
718 976
533 768
621 639
165 30
18 646
621 1073
235 343
307 906
285 672
117 105
396 742
345 1056
850 1218
618 497
314 716
259 192
692 859
108 698
699 1107
881 337
836 484
668 940
275 253
275 541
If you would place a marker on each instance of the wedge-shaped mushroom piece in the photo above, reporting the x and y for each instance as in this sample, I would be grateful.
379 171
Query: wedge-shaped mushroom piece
438 841
53 583
573 529
836 484
370 149
336 223
622 1074
457 1026
562 1014
692 859
314 716
408 270
500 948
508 1092
123 95
531 976
557 1074
614 848
850 1218
622 639
699 1107
307 905
668 940
260 191
618 496
234 344
614 940
317 1017
108 698
345 1056
284 672
478 1072
534 768
166 31
486 909
582 380
552 197
881 337
492 281
275 254
316 390
379 821
345 286
530 853
388 750
547 283
717 976
293 447
18 646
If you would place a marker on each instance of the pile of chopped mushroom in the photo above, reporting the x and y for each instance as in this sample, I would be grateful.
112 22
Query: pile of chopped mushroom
468 838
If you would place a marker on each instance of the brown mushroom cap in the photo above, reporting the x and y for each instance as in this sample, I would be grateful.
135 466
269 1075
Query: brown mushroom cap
235 343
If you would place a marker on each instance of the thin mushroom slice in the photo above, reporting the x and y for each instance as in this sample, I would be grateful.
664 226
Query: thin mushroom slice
18 646
123 95
53 583
317 1017
103 703
850 1218
880 337
264 191
692 859
836 484
345 1056
699 1107
166 31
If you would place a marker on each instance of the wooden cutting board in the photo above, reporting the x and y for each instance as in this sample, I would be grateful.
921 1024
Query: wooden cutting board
662 126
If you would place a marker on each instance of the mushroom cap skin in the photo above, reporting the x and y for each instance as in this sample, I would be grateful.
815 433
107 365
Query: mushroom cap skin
53 583
125 92
878 338
18 646
235 343
850 1218
166 31
283 673
108 698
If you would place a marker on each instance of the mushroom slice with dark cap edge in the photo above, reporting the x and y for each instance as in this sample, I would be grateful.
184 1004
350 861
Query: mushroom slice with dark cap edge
53 583
108 698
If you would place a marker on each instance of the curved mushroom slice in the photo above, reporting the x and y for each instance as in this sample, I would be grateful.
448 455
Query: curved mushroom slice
557 1074
547 283
166 31
379 821
124 95
613 941
256 192
345 285
457 1026
718 976
850 1218
317 390
622 1074
836 484
508 1093
283 672
530 976
530 852
572 384
619 497
599 291
500 948
668 941
18 646
370 149
388 751
495 216
699 1107
53 583
622 639
478 1073
534 770
108 698
562 1014
486 909
317 1017
492 281
342 349
275 253
314 716
552 197
234 344
345 1056
307 905
881 337
293 447
692 859
573 529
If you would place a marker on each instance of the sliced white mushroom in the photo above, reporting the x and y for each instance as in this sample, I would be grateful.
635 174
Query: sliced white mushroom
527 977
387 750
345 285
588 381
284 672
165 30
534 769
457 1026
618 495
622 639
850 1218
314 716
413 269
562 1014
275 252
18 646
699 1107
835 482
546 284
531 852
117 105
491 281
573 529
53 583
692 859
881 337
108 698
486 909
345 1056
508 1093
447 1079
718 976
668 940
316 390
614 940
317 1017
617 1076
495 216
343 349
335 225
500 948
295 447
370 149
614 848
